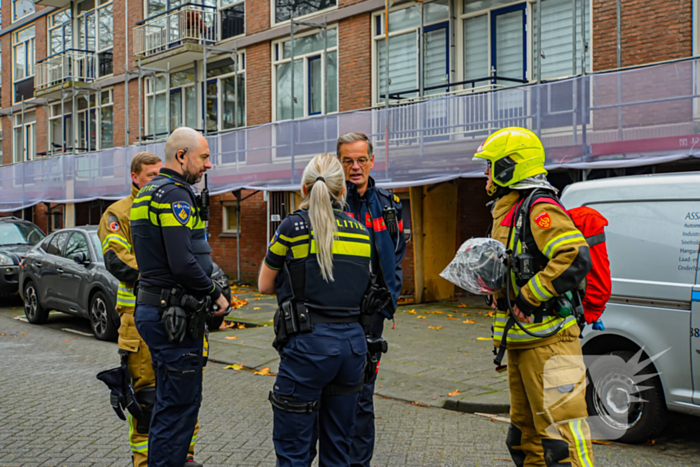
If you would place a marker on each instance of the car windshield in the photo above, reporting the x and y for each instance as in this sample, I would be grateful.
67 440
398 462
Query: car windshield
97 244
20 234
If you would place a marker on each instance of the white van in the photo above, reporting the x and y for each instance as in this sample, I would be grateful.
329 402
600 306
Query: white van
653 242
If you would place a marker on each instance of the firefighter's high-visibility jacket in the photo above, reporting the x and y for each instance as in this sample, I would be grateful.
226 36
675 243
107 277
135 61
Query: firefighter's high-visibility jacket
568 263
115 234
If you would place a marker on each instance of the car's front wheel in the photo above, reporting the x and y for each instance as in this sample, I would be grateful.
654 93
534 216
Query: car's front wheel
35 313
625 400
102 325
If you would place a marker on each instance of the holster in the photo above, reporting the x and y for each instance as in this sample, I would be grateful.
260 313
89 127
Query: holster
291 318
376 346
121 395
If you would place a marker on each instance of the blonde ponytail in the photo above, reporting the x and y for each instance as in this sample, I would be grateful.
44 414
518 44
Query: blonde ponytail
323 184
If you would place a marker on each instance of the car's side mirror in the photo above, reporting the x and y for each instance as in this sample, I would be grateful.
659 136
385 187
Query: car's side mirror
80 258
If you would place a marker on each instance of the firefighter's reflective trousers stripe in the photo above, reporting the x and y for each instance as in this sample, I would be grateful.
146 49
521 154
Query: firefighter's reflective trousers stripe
547 399
142 376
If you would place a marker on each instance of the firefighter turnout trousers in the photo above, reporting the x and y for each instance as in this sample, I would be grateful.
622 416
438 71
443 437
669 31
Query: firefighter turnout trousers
548 406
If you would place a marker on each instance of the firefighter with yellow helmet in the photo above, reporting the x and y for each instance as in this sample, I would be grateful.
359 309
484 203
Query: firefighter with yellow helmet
548 260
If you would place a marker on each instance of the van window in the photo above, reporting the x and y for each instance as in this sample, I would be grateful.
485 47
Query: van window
653 247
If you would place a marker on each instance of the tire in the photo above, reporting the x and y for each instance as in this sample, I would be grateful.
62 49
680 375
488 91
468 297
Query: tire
35 313
100 320
624 407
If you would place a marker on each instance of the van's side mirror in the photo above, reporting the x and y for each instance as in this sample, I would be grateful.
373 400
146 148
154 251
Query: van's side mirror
80 258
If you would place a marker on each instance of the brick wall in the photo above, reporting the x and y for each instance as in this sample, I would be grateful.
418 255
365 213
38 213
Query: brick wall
253 236
652 31
258 84
355 60
257 16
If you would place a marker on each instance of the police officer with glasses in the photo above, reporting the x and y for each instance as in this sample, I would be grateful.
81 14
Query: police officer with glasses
175 292
318 264
381 213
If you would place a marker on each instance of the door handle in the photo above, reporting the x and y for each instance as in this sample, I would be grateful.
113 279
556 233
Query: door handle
60 270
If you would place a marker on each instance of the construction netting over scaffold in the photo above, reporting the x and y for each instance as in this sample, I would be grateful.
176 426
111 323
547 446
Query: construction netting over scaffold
622 119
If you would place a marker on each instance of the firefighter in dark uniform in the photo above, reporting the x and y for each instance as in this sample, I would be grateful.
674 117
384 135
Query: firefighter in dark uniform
318 264
546 373
380 212
174 292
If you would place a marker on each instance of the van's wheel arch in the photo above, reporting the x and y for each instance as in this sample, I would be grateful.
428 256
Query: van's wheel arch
621 405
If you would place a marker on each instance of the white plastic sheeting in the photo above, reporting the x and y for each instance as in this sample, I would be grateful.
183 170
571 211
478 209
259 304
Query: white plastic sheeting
612 120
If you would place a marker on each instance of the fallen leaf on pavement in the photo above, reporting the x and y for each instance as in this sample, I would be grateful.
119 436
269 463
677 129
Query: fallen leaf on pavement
256 308
264 372
242 326
272 320
235 366
483 338
237 303
411 312
452 318
462 305
454 393
231 338
449 315
2 334
67 340
434 327
256 299
439 312
489 314
421 317
469 321
604 443
651 442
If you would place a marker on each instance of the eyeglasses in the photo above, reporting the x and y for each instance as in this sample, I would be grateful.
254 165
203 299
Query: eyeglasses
347 162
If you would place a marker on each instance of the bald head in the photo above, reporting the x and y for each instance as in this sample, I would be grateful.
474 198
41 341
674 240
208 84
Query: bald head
187 152
180 139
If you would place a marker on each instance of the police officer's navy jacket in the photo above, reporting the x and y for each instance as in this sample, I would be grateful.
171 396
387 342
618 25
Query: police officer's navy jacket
389 250
293 252
169 237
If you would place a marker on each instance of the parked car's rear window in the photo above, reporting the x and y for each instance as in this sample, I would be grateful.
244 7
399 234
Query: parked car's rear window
97 244
20 234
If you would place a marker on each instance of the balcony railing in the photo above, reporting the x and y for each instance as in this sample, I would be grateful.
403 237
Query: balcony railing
69 66
189 23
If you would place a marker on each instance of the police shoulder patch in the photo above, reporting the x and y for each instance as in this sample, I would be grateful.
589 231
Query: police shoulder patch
396 198
113 223
182 212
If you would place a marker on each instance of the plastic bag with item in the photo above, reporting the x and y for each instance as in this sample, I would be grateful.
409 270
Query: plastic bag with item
478 266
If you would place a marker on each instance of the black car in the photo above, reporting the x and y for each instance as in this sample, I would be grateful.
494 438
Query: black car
17 236
66 272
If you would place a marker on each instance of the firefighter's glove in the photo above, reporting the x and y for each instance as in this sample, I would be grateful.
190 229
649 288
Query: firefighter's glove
121 397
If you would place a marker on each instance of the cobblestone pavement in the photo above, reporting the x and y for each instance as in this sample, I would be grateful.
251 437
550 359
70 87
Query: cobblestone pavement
53 412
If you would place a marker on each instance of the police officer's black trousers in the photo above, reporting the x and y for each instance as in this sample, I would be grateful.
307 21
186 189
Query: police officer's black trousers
331 354
178 369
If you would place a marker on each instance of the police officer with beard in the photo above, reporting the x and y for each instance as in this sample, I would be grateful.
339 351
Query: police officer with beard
175 292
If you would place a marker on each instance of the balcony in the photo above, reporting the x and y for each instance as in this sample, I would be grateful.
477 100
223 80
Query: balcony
176 35
71 68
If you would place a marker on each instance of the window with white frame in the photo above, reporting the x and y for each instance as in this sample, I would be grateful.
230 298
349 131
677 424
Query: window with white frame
22 8
496 40
24 137
182 95
404 44
225 101
232 17
287 9
95 32
95 121
230 217
23 61
60 27
60 126
314 89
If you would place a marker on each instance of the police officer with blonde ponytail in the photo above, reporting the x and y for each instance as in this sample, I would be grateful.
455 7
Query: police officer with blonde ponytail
318 264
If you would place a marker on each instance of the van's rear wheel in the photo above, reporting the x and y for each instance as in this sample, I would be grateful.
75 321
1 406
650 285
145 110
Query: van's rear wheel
623 405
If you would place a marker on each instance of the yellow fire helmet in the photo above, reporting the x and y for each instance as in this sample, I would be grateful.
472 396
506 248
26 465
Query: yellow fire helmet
513 154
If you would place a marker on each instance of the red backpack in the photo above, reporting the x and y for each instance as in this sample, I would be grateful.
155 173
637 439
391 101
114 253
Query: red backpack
591 224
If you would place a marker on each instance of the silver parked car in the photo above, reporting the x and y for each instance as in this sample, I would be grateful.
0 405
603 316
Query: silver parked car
652 322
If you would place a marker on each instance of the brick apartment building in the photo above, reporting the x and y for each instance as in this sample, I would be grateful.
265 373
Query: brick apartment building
66 67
